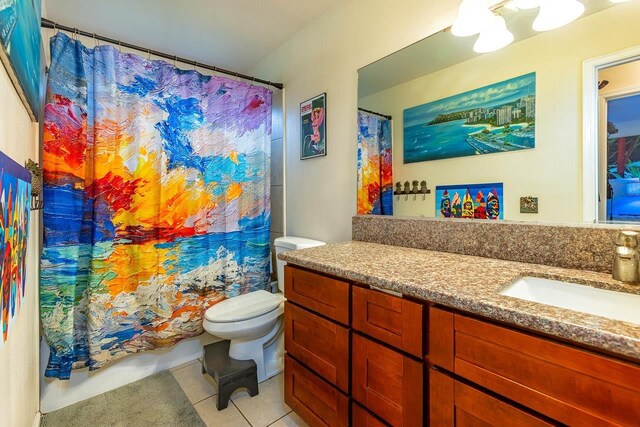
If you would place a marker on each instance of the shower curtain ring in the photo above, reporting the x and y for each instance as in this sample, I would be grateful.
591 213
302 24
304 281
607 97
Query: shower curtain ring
148 54
195 66
95 40
120 46
175 59
55 29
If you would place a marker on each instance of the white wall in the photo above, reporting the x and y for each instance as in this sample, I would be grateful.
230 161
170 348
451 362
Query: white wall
553 170
325 57
19 355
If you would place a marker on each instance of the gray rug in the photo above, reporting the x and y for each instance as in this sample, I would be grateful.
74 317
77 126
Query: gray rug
154 401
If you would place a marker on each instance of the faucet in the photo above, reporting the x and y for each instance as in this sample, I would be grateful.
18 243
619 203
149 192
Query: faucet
625 263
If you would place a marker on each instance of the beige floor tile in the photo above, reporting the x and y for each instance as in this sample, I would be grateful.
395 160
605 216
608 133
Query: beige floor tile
184 365
229 417
291 420
266 407
196 385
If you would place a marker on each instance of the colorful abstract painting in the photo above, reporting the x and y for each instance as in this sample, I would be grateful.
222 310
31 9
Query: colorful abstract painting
22 46
156 202
493 119
15 199
473 201
375 166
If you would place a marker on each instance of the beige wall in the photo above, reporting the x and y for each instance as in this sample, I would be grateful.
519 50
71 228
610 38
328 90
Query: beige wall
325 57
553 170
19 392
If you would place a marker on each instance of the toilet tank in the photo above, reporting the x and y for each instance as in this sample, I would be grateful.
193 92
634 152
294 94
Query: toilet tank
291 243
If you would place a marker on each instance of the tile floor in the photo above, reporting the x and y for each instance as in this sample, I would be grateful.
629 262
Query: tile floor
265 409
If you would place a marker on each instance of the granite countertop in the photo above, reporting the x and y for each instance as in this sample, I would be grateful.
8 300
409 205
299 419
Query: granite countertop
471 284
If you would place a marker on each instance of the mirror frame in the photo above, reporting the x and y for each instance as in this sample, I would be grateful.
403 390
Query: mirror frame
591 126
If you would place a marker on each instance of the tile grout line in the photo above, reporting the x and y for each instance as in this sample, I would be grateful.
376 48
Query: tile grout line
280 418
236 406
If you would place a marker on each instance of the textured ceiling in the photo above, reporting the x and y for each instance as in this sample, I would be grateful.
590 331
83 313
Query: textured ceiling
233 34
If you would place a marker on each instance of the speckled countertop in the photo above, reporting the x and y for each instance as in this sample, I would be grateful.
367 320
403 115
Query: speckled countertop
471 284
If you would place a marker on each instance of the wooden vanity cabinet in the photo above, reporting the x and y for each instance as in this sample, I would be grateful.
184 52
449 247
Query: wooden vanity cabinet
376 367
561 382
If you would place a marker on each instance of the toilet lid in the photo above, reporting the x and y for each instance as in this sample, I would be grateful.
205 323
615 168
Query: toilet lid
243 307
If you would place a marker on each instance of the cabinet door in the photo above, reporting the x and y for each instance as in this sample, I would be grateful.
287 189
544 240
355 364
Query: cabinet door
321 345
321 294
395 321
387 383
455 403
565 383
315 401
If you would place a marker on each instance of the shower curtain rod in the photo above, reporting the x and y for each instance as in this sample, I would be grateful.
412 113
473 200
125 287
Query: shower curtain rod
377 114
47 23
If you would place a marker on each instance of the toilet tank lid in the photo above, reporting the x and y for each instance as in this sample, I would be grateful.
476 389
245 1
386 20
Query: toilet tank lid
295 243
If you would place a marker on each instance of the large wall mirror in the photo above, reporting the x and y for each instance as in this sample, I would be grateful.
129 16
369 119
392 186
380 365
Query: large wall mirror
544 129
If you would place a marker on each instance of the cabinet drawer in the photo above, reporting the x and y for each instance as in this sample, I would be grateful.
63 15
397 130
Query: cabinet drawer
455 403
386 382
324 295
360 417
315 401
390 319
321 345
565 383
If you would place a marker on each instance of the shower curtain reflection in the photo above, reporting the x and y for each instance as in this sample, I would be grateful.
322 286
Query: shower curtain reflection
375 168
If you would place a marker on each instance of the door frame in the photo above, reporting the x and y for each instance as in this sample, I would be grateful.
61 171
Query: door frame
591 108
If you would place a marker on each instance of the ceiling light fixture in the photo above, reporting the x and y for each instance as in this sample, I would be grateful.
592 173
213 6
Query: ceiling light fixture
494 37
619 1
557 13
523 4
473 17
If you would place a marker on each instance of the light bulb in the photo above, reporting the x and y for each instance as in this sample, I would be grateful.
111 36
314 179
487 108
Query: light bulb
557 13
494 37
473 17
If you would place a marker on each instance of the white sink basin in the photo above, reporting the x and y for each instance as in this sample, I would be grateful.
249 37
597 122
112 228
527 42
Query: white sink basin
600 302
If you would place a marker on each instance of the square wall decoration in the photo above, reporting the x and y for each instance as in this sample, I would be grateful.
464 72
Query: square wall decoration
492 119
313 127
470 201
21 50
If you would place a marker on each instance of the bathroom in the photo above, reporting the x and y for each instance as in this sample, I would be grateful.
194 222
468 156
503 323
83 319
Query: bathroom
452 184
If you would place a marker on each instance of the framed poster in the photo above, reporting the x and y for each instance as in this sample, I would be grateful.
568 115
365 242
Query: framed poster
470 201
493 119
22 49
313 127
15 204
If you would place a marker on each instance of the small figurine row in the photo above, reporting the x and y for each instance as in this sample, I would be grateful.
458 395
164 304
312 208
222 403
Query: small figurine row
411 189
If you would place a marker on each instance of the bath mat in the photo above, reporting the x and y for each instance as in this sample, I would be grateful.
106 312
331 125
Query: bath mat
154 401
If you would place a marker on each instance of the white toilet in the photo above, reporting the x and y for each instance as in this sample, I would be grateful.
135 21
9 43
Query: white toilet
253 322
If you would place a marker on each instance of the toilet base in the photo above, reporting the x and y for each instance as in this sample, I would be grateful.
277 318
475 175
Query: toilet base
267 352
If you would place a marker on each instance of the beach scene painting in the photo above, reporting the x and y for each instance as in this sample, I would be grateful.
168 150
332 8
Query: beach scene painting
470 201
22 48
493 119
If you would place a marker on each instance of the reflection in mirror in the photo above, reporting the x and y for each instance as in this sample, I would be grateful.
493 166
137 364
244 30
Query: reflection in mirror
619 101
506 124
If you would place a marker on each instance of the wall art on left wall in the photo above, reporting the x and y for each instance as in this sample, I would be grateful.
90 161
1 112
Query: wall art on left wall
15 198
21 51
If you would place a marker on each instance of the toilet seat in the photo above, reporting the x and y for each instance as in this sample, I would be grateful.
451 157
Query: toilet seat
244 307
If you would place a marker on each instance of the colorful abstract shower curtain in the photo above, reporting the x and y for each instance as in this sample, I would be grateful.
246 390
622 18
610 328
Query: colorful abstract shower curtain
375 167
157 202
